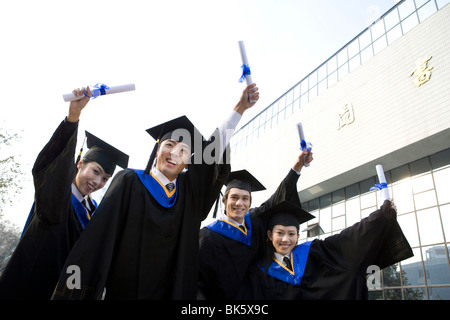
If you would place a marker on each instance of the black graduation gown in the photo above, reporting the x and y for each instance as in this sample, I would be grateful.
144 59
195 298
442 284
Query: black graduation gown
226 256
52 227
139 249
336 267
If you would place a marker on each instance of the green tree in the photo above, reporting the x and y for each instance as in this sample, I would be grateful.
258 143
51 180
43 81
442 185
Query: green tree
11 177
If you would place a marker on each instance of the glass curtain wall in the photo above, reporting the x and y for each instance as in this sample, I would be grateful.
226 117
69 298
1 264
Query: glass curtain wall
421 192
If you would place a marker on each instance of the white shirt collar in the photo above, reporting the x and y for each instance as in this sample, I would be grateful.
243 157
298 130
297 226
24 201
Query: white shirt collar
280 257
234 222
79 196
161 177
77 193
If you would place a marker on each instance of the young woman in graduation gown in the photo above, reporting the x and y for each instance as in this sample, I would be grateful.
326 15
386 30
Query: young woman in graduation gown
228 250
57 217
143 241
332 269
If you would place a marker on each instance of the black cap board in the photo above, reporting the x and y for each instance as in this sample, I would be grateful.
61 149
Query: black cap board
286 213
243 179
104 154
180 129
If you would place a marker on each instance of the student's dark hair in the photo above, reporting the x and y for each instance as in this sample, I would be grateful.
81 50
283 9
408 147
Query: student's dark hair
85 161
269 251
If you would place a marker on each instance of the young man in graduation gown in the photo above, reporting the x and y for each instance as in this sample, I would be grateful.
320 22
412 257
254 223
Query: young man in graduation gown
232 243
331 269
143 241
62 207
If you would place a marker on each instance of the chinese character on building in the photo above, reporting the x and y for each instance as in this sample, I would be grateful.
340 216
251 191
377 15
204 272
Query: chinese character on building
346 116
422 72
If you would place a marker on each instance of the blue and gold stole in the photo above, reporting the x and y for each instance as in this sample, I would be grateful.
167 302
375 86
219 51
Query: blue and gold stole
157 189
81 212
229 230
299 257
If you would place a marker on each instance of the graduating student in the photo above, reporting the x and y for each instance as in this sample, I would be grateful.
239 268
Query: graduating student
232 243
143 240
62 207
332 269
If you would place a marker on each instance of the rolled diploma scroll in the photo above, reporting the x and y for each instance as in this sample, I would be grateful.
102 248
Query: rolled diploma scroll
248 77
385 195
302 137
116 89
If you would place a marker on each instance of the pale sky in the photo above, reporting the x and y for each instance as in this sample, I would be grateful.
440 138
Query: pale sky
183 56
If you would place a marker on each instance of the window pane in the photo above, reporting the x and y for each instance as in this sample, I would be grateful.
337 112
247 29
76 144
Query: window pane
322 72
440 159
338 223
353 211
353 48
366 54
436 265
325 219
414 294
394 34
332 79
342 57
409 227
354 62
442 3
406 8
313 79
439 293
377 30
419 166
412 270
366 212
427 10
391 276
368 200
409 23
331 65
425 199
365 39
343 71
402 196
391 19
379 44
442 182
430 229
445 216
422 183
338 196
338 209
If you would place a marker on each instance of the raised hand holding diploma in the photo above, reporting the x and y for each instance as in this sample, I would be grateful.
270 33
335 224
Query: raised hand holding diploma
246 73
382 186
99 90
304 146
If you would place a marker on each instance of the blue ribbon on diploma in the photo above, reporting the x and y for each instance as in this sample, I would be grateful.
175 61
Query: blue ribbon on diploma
305 146
379 186
98 90
245 72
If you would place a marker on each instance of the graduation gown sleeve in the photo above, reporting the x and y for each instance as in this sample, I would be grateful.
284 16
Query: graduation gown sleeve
336 266
53 173
52 227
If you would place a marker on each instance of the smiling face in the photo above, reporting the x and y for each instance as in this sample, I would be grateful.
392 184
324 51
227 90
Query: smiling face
172 157
90 177
284 238
237 204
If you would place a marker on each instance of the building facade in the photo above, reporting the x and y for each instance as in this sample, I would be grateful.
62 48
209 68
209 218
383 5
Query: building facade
384 98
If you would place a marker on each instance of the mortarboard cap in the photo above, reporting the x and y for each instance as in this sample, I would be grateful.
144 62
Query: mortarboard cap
242 179
286 213
180 129
104 154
